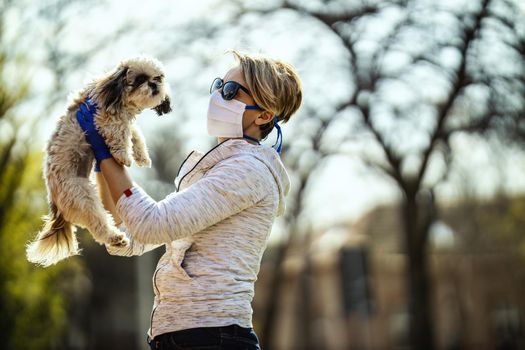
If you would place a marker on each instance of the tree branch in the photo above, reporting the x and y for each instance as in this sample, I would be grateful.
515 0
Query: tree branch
459 84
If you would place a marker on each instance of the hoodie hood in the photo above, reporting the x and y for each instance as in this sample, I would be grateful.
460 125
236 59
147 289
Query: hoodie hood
235 147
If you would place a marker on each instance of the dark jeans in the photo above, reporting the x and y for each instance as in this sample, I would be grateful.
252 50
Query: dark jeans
232 337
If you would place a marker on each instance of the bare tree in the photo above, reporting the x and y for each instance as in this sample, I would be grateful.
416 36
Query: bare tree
471 54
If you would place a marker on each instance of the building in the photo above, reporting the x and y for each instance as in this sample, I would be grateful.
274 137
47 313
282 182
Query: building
356 279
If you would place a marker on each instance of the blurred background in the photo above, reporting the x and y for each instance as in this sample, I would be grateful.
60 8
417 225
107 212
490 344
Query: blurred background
405 223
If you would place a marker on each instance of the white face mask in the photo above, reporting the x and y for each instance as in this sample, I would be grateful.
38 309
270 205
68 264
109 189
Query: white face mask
225 116
224 119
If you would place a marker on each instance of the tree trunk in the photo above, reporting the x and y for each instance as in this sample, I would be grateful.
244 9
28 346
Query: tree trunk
421 333
277 279
306 332
267 332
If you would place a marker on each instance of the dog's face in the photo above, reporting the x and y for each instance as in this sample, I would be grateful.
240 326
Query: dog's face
137 82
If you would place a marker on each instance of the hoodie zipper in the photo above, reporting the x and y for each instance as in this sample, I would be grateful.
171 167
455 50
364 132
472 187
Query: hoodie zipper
182 164
156 294
194 166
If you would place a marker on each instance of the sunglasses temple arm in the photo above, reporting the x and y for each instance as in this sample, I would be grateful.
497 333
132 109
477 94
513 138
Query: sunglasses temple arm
244 89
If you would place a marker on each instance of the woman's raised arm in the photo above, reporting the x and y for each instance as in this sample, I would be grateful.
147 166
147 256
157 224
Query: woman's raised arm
116 177
107 200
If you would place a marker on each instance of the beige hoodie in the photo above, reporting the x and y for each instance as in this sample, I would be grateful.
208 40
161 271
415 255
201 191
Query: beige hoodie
215 228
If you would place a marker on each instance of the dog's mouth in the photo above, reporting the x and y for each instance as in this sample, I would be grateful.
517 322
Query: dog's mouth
164 107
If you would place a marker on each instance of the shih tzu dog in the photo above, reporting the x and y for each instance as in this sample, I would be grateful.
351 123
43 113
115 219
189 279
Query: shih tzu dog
136 84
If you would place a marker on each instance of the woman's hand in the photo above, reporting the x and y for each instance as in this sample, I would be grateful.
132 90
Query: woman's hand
85 118
115 175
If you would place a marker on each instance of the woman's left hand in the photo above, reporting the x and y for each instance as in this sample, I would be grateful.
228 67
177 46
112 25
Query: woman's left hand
86 120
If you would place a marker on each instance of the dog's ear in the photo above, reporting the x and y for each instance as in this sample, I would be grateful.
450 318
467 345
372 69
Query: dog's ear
112 90
164 107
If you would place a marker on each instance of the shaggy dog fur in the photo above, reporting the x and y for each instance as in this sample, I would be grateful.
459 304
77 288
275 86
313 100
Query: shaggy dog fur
136 84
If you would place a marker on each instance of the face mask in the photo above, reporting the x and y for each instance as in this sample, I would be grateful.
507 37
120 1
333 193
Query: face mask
224 119
225 116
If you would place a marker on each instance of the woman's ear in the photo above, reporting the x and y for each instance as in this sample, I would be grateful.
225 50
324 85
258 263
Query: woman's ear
111 90
264 117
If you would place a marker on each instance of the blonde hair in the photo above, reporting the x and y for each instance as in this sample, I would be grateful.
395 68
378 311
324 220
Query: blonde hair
274 84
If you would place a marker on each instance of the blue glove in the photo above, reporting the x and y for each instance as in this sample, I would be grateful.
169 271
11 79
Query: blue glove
85 117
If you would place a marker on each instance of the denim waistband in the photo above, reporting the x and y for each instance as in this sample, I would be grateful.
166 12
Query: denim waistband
233 330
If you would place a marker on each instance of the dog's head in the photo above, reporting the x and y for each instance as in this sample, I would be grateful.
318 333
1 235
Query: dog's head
137 82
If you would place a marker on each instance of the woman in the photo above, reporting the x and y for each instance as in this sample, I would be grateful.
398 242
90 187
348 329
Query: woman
215 227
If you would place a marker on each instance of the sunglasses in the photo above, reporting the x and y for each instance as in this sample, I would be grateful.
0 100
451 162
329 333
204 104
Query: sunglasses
229 88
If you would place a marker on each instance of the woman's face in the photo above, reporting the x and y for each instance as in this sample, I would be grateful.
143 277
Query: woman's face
251 118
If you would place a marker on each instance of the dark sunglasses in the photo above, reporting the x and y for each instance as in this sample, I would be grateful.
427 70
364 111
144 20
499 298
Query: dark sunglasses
229 88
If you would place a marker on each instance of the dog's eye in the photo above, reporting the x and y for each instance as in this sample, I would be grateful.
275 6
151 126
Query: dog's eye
140 79
158 79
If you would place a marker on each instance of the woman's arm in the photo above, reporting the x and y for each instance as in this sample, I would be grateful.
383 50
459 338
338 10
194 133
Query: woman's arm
107 200
231 186
116 177
134 248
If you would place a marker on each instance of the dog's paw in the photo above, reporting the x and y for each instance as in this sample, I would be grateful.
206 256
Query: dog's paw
118 240
143 161
122 157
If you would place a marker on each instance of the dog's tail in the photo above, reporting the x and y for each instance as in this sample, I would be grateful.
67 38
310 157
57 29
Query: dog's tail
55 242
